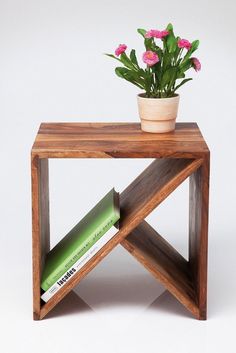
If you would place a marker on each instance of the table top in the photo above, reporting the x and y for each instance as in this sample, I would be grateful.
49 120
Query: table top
117 140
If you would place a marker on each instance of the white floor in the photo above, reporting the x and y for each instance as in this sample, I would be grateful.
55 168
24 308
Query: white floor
122 309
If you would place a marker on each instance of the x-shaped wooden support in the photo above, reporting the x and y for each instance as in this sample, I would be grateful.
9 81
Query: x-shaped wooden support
186 280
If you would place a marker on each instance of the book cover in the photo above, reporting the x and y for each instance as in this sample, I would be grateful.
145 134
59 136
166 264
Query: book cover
81 238
79 264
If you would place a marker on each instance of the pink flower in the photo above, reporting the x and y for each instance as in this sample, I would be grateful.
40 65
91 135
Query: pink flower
150 58
164 33
184 43
121 49
196 64
154 33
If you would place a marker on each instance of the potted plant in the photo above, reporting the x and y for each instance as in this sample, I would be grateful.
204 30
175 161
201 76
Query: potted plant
167 59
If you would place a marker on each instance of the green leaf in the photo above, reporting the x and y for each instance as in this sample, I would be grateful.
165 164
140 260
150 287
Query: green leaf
185 65
156 49
171 43
170 40
120 71
112 56
180 74
168 76
169 27
149 79
148 42
126 61
166 61
142 32
159 53
195 45
182 83
130 76
142 73
177 50
133 58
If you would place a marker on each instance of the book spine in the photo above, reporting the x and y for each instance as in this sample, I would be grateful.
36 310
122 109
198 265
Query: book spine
76 255
79 264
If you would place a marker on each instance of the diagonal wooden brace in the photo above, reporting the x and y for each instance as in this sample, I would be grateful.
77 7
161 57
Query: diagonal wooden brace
140 198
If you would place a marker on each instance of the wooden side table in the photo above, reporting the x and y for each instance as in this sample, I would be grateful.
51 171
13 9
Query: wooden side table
178 155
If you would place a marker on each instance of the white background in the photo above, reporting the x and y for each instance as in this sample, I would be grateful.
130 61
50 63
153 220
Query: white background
52 68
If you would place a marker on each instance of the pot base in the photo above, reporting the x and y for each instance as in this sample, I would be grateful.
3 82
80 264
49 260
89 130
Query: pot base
160 126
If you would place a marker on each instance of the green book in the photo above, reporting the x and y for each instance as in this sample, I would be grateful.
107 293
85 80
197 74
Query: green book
81 238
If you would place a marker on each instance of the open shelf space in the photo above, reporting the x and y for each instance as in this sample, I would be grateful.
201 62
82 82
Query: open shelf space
152 186
149 189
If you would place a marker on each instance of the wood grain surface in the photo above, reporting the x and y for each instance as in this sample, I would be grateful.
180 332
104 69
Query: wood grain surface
40 226
198 232
117 140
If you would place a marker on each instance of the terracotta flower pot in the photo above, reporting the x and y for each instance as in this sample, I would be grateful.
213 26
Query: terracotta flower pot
158 115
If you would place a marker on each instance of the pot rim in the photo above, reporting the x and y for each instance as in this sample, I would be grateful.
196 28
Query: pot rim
141 96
